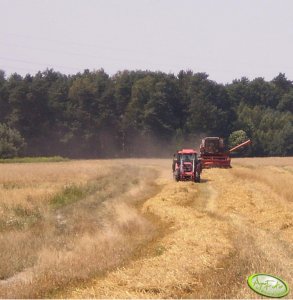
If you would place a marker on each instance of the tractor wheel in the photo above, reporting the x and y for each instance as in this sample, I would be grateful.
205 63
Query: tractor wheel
176 175
197 177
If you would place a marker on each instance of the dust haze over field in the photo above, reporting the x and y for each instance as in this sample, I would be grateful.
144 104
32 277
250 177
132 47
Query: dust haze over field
125 229
150 146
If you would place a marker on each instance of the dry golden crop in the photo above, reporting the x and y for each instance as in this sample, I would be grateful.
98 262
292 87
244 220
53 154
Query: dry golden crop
65 222
125 229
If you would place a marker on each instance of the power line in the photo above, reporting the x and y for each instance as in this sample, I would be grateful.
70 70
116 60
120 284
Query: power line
87 55
95 46
36 63
64 42
5 67
69 53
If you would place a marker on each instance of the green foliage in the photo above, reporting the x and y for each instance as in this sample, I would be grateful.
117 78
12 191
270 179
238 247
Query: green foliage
209 109
286 102
271 130
11 142
73 193
69 194
237 137
282 83
38 159
140 113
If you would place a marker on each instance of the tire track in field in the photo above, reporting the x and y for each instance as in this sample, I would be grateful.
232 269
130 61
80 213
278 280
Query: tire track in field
95 234
256 246
219 234
196 243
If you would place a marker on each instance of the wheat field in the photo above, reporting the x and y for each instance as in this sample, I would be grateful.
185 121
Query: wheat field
48 240
125 229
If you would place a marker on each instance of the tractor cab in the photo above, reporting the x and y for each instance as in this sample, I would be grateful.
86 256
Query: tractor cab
186 165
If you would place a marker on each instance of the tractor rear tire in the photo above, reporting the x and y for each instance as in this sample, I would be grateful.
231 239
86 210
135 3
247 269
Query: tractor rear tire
197 177
176 175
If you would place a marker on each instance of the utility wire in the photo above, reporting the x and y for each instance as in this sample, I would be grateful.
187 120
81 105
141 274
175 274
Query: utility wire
100 45
100 57
36 63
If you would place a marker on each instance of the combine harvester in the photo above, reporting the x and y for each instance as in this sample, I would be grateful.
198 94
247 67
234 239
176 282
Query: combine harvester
213 154
186 165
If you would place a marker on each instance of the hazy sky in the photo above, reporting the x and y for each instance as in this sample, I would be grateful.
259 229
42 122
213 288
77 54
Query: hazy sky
227 39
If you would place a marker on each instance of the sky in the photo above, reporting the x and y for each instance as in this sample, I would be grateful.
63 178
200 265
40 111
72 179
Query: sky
227 39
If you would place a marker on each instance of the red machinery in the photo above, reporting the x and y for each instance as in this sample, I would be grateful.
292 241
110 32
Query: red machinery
213 154
186 165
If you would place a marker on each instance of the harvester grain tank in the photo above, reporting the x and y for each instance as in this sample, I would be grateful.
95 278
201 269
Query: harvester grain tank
213 154
186 165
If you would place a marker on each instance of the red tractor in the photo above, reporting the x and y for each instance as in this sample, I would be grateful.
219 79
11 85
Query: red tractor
213 154
186 165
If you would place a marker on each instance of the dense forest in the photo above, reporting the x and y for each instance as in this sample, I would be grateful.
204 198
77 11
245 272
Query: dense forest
139 113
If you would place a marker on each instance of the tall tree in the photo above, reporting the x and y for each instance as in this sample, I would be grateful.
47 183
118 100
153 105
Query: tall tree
11 142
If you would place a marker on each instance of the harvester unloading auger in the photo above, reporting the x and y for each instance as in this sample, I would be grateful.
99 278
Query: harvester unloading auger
213 154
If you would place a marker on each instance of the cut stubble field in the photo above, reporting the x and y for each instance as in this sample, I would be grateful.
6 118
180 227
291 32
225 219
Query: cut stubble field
125 229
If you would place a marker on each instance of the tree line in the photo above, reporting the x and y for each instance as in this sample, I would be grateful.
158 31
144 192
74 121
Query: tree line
139 113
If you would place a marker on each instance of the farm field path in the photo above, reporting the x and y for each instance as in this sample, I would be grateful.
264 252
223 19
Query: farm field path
235 223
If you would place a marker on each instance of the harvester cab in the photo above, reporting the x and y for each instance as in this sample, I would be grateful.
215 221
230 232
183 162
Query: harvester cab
212 145
186 165
213 153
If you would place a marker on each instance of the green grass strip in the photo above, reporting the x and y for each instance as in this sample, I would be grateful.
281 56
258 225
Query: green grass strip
32 159
71 194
